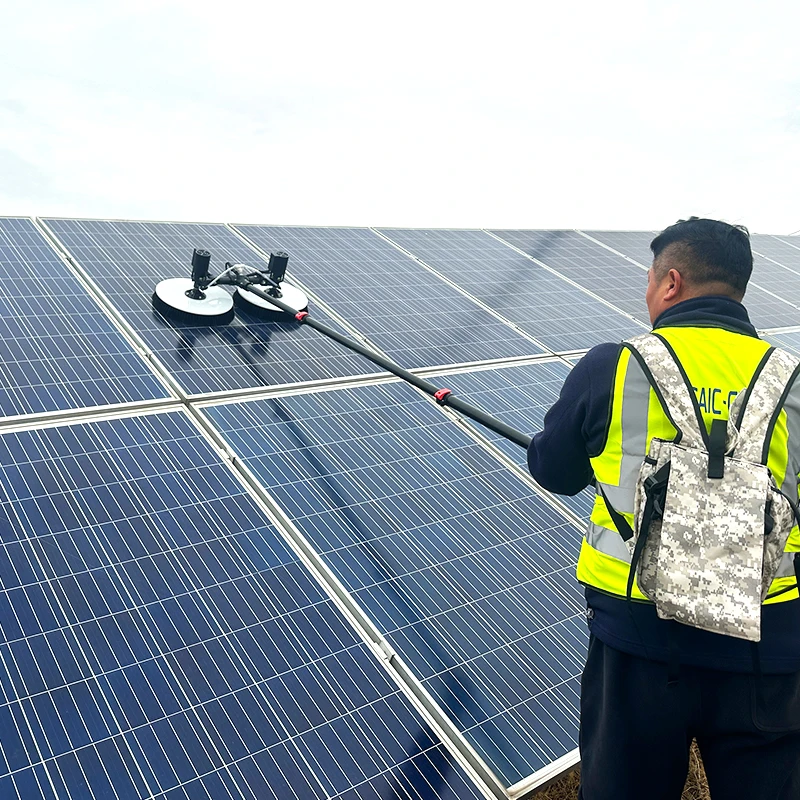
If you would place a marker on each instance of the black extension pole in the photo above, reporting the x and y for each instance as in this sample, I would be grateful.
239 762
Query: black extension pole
442 396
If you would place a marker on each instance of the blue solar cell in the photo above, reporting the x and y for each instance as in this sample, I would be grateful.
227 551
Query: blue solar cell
30 782
58 349
415 317
159 638
520 396
127 259
467 571
539 302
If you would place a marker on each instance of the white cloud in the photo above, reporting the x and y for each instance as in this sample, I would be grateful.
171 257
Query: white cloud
440 113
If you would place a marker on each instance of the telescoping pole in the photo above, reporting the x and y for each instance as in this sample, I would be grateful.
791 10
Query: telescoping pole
442 396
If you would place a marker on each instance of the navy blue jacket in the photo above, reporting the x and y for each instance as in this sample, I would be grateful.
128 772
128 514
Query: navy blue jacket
558 458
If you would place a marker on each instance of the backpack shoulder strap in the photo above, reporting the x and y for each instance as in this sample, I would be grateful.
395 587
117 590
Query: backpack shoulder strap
667 377
756 410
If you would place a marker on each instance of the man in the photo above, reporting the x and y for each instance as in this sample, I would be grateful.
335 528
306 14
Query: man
650 686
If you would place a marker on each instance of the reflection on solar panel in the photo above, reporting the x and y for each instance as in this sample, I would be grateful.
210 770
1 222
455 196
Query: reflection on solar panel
539 302
58 350
409 313
468 572
591 266
520 396
127 259
159 639
634 244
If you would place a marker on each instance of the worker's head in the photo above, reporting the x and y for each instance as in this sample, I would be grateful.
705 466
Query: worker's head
697 257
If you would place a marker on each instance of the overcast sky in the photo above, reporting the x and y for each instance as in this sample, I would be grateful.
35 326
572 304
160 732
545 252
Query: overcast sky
491 114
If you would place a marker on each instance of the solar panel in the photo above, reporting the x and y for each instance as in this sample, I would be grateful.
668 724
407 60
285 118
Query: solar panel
779 280
634 244
766 274
466 570
789 340
622 283
591 266
539 302
58 349
765 310
794 241
784 250
520 396
766 307
127 259
404 309
159 638
776 266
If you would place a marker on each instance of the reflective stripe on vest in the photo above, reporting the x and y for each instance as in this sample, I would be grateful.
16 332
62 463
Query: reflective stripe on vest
610 543
636 417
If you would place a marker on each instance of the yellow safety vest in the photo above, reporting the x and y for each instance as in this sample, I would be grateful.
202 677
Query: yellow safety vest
719 364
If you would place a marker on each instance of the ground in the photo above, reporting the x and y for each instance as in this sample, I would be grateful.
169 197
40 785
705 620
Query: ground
696 786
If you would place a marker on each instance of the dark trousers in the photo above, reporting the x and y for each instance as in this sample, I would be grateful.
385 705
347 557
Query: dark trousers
636 730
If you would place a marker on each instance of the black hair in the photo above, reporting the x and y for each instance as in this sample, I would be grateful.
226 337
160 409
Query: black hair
711 251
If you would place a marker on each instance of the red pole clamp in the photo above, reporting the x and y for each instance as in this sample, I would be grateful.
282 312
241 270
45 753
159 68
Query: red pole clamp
301 315
441 395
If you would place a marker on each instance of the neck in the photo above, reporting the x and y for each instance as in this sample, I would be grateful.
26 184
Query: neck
715 289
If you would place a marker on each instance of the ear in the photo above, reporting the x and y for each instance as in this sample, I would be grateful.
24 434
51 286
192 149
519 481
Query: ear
675 285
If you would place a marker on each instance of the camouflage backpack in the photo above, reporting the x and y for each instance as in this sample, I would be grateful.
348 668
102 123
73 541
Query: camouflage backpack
710 523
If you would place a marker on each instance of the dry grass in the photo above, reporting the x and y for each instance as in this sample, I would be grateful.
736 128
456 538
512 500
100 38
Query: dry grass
696 787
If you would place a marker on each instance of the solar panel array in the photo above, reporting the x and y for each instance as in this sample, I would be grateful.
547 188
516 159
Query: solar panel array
336 590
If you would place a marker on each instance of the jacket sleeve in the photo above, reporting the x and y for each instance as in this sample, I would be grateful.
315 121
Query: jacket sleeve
575 426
